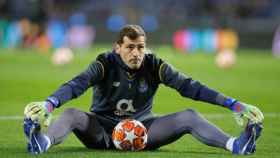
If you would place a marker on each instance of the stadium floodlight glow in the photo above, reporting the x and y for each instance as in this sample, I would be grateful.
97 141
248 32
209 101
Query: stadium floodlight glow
115 22
209 40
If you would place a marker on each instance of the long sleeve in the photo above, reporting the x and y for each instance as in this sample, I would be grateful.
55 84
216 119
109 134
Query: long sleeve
188 87
78 85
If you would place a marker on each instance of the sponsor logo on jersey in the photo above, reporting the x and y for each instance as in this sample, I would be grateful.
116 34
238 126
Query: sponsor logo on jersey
124 107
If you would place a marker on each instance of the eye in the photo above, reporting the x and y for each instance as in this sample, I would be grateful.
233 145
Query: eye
131 46
140 47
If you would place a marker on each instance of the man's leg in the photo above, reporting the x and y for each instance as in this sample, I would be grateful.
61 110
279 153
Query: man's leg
84 125
169 128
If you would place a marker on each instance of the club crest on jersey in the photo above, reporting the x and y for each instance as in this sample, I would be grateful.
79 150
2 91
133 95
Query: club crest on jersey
143 86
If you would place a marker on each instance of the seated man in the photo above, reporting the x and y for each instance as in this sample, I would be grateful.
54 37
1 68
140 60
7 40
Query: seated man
124 82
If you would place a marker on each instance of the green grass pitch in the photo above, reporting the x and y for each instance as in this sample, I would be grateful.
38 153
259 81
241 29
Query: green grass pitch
27 76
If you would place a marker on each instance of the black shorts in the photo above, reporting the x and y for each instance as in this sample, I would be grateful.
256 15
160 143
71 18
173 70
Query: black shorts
99 132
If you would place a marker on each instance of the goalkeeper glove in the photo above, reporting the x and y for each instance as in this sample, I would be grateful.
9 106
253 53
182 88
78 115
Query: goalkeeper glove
243 110
39 111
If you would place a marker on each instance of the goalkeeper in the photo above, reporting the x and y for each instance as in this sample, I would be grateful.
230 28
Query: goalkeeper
124 82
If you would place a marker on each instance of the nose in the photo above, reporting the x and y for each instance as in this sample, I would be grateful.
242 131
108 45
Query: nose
135 52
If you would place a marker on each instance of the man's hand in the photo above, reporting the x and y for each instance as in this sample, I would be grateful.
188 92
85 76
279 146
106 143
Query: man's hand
39 111
250 112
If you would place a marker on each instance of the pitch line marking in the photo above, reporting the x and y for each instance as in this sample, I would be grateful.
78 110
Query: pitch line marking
210 116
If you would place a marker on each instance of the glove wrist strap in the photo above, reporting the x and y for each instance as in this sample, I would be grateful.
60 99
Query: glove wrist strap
49 106
54 101
233 105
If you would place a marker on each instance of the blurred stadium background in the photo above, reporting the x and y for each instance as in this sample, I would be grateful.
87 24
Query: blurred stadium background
231 45
80 23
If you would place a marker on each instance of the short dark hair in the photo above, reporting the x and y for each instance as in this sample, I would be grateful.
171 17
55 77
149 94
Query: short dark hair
131 31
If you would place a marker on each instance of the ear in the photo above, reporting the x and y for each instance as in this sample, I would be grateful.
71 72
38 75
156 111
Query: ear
117 48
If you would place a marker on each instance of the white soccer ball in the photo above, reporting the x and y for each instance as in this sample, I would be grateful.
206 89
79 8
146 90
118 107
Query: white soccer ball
62 56
226 59
130 135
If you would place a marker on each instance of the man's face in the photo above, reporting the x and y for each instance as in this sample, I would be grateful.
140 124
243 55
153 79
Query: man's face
132 51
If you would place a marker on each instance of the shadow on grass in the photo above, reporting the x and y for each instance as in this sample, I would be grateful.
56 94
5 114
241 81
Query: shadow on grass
115 151
183 151
64 151
15 150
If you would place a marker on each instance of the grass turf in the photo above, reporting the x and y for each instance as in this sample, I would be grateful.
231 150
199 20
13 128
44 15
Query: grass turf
27 76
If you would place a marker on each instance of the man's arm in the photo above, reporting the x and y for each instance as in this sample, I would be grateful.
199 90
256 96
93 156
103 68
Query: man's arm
190 88
78 85
41 111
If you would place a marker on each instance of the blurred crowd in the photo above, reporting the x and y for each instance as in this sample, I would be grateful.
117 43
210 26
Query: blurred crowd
78 23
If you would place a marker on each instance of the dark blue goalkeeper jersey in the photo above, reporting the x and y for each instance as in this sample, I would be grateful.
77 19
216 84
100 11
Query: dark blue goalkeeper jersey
119 92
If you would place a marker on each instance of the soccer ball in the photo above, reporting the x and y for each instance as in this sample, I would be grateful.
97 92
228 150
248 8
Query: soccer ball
130 135
226 59
62 56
